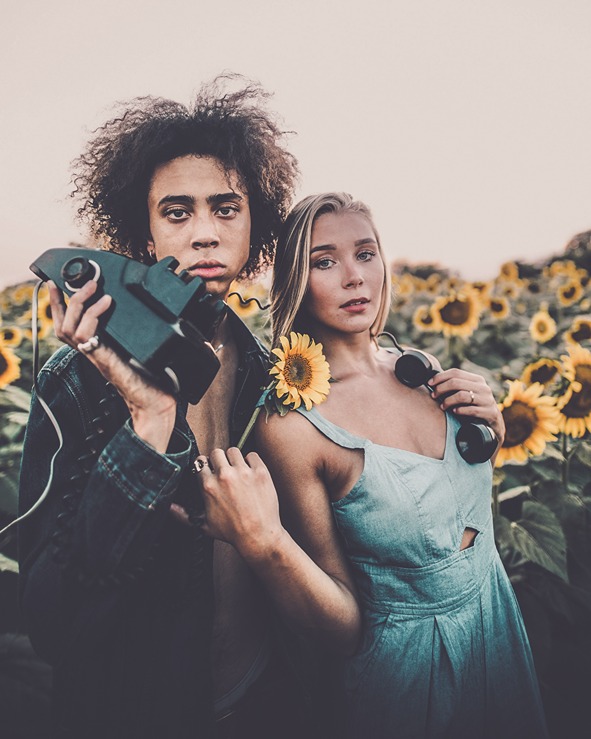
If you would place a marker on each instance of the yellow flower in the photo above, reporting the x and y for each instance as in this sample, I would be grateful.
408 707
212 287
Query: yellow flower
545 371
509 289
575 403
403 284
9 366
11 336
579 331
23 293
533 287
483 289
509 271
570 293
425 319
301 371
531 420
542 327
499 308
459 313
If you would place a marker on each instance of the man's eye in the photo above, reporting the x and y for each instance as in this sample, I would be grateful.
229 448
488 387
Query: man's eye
227 211
176 214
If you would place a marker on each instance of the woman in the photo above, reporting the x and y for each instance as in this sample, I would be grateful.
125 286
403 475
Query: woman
390 556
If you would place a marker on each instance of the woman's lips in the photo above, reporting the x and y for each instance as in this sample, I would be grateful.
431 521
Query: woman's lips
357 305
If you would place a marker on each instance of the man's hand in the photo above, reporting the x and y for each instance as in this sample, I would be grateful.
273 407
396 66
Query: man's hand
152 410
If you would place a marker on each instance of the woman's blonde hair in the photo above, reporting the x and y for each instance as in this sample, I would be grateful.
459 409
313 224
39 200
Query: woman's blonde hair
292 262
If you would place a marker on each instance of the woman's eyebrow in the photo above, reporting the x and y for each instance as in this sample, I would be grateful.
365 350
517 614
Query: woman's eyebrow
323 247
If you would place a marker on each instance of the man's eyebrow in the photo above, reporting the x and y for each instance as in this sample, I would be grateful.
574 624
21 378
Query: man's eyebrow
220 197
183 199
190 200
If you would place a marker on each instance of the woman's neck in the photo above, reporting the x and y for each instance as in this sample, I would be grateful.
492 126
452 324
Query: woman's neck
352 354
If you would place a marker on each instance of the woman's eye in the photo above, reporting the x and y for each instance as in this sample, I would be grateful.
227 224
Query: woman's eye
323 263
365 256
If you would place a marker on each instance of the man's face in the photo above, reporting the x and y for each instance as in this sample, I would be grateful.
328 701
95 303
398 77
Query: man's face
200 216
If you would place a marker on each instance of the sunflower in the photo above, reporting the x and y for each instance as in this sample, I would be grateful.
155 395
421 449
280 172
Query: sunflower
302 372
570 293
459 313
23 293
509 289
583 276
11 336
403 284
575 403
533 287
545 371
499 308
509 271
425 319
579 331
483 289
9 366
531 420
542 327
241 306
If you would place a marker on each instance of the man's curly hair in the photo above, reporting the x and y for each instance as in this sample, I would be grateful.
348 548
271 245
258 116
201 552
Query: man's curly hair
112 177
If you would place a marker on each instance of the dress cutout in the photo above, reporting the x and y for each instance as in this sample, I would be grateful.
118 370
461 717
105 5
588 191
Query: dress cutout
444 651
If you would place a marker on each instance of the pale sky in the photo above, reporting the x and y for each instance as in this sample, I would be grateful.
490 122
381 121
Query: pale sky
464 124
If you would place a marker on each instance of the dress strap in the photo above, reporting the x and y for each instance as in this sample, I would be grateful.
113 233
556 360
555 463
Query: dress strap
340 436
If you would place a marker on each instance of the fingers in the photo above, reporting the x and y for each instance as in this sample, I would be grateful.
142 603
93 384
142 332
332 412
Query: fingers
78 322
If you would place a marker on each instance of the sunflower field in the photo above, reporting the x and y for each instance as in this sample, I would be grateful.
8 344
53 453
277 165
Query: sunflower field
528 332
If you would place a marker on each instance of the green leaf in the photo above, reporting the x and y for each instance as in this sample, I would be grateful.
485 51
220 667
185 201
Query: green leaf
583 453
536 537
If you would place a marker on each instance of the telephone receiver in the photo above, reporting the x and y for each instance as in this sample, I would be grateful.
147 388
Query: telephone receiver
475 440
159 321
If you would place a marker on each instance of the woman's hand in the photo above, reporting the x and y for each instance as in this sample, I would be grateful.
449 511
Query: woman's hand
241 504
152 410
468 395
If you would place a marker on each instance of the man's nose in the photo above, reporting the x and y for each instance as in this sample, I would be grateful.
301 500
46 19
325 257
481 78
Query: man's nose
205 231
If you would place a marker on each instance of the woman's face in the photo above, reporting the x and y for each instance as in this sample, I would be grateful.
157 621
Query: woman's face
346 273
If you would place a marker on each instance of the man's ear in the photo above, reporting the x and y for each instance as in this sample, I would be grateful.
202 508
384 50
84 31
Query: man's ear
150 248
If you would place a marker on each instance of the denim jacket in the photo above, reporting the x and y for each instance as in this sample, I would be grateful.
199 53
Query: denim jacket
115 593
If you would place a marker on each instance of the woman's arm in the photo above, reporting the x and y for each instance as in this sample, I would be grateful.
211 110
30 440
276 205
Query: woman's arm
308 579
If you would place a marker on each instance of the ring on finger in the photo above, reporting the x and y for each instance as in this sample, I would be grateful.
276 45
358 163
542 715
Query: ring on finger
201 463
87 347
471 396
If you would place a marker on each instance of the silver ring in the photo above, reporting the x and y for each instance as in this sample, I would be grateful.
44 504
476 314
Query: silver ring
200 464
87 347
471 396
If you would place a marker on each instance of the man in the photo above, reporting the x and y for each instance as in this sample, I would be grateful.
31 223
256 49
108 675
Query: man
152 629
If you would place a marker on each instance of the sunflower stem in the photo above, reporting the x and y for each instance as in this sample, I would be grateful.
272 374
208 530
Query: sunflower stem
565 462
249 427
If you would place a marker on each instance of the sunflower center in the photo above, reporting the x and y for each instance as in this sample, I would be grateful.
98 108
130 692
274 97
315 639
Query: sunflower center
3 364
582 333
569 292
542 326
8 334
520 421
455 312
543 374
579 404
496 306
298 371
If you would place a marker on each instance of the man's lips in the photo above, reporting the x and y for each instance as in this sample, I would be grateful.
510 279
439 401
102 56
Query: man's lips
207 268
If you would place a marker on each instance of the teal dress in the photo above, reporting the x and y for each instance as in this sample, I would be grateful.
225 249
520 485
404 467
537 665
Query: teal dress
444 652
